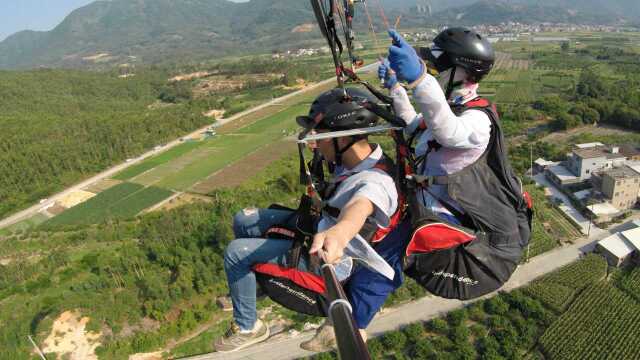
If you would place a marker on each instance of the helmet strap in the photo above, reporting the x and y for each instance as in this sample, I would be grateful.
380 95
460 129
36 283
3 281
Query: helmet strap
450 85
339 152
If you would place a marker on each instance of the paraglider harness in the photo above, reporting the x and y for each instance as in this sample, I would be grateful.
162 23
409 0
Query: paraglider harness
477 257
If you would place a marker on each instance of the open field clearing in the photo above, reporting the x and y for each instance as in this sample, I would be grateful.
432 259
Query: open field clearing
121 201
211 155
230 176
157 160
505 61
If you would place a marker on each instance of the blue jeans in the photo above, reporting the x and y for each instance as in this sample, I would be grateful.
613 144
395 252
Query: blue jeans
247 250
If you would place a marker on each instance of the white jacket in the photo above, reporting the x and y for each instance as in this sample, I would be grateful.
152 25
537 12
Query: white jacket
463 138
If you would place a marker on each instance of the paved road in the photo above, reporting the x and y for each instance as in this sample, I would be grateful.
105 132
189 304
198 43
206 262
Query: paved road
586 226
420 310
25 214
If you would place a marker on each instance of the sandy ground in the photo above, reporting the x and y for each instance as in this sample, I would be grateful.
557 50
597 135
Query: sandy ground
195 75
69 338
75 198
215 113
102 185
147 356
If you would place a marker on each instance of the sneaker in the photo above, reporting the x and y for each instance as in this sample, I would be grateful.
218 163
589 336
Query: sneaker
235 340
325 339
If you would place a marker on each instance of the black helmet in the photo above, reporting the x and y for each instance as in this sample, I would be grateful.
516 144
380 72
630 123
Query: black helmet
340 112
461 47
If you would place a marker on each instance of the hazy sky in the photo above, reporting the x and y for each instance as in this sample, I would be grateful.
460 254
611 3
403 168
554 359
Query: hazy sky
17 15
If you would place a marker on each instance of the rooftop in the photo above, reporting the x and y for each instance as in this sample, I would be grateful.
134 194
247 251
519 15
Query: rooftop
633 236
562 173
630 150
597 152
618 245
589 145
603 209
543 162
622 172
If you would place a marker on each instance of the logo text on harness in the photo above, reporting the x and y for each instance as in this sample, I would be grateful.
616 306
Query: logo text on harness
462 279
291 291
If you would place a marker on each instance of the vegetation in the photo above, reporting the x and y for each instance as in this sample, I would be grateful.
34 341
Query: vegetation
164 266
119 202
594 320
557 290
601 323
84 122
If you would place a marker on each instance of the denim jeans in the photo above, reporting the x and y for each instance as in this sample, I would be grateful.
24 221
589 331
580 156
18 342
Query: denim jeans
247 250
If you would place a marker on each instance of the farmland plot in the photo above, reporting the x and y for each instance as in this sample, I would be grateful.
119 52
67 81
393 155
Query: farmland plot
121 201
603 323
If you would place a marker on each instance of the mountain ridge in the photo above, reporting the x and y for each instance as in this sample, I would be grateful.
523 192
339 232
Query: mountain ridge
156 31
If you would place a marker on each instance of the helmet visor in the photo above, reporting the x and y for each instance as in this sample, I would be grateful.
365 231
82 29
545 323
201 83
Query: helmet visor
435 58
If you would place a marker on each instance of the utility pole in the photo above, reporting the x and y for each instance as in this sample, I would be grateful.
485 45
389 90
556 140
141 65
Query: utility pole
530 169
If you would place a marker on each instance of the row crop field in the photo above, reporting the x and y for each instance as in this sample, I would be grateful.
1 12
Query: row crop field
603 323
558 289
121 201
630 282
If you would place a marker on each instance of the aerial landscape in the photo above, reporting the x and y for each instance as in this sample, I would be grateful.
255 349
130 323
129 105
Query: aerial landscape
135 136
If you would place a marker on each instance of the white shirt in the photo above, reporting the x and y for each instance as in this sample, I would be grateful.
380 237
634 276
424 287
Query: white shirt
463 138
376 186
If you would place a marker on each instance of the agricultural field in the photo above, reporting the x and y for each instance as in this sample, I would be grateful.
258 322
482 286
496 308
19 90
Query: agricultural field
214 154
558 289
573 313
121 201
630 282
603 323
505 61
157 160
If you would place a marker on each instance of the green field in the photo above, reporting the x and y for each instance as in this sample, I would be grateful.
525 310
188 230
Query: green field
157 160
558 289
121 201
182 172
603 323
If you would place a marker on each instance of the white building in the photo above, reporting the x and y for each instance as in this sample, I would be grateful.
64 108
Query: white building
621 248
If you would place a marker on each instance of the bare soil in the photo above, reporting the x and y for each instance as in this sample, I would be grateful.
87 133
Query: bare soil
70 340
74 198
304 28
563 136
102 185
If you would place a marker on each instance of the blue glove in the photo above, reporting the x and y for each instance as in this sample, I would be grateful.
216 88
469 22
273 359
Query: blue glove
387 75
403 59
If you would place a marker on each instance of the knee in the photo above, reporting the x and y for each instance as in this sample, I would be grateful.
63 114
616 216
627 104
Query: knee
244 219
235 252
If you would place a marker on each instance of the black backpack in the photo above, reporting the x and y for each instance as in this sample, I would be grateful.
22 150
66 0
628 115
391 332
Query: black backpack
468 261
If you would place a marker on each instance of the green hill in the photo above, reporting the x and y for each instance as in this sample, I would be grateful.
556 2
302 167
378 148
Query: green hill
152 30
